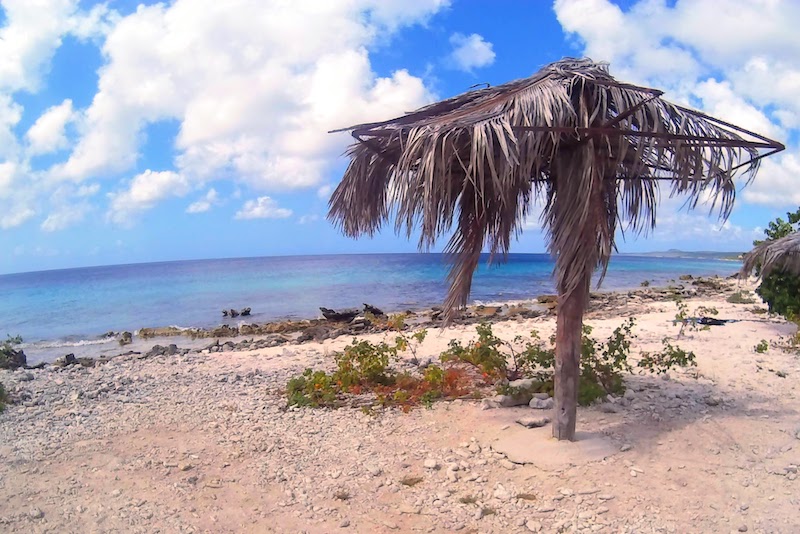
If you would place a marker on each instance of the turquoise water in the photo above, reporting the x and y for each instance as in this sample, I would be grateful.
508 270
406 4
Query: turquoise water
78 305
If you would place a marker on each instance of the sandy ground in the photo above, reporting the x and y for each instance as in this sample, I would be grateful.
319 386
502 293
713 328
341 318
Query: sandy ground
202 443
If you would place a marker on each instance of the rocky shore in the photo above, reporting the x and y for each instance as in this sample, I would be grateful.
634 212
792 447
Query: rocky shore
274 334
200 440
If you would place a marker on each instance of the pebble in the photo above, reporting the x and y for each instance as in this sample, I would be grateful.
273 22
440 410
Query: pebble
35 513
626 447
533 526
541 404
430 463
344 523
533 422
373 469
507 464
501 493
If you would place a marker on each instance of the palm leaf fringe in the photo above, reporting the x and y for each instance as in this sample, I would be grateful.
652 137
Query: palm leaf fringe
779 255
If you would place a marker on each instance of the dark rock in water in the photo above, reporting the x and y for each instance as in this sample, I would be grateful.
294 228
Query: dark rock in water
90 362
233 313
125 338
224 313
67 359
245 312
11 358
109 334
369 308
340 316
686 277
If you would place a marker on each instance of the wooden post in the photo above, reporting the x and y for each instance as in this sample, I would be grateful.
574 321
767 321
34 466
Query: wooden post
568 358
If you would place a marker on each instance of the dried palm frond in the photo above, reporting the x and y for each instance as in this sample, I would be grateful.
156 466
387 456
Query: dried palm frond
595 149
779 255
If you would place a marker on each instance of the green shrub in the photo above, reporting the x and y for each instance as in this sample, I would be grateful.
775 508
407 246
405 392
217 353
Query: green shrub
312 388
762 347
668 357
780 290
10 356
691 320
362 362
740 297
483 353
364 367
602 364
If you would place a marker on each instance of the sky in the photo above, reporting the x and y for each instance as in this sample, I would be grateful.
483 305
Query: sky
142 131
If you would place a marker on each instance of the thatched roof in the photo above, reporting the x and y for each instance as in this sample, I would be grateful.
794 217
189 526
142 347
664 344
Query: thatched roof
594 149
779 255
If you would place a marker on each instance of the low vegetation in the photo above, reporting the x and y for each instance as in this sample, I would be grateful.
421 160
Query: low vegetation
779 289
10 356
692 321
4 400
762 346
364 373
741 297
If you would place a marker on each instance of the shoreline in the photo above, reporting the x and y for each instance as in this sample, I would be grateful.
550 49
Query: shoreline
281 332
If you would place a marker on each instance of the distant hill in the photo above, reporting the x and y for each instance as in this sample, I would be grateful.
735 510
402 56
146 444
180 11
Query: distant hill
674 253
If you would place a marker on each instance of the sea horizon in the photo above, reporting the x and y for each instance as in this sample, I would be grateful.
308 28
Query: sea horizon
701 254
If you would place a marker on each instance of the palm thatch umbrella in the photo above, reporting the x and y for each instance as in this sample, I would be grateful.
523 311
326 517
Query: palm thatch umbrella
779 255
595 149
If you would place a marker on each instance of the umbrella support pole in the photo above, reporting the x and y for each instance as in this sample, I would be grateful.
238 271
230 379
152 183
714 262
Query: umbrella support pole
568 360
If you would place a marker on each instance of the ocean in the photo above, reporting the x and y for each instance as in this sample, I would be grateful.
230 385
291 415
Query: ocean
68 310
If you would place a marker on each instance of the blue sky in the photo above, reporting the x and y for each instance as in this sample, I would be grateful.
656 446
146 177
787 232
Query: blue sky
137 131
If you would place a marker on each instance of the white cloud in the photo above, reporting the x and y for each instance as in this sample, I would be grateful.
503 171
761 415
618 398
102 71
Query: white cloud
15 216
145 191
205 203
65 216
10 114
33 32
325 191
48 132
262 208
307 219
470 52
274 78
777 184
740 63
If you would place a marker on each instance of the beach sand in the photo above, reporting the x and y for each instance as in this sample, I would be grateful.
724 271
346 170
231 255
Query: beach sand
203 443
